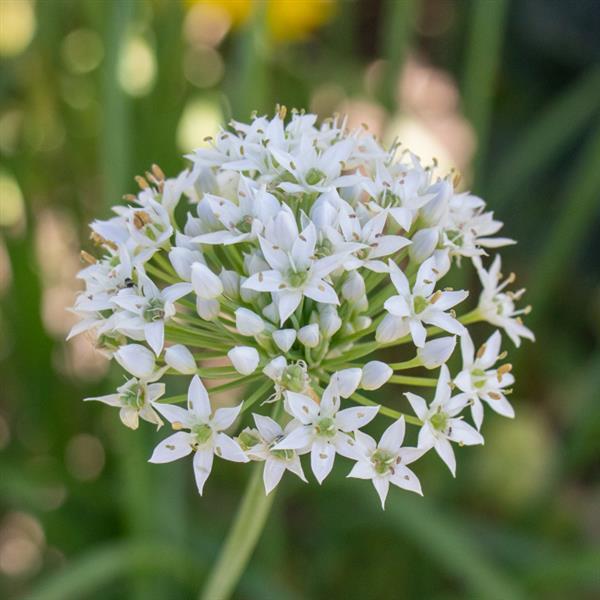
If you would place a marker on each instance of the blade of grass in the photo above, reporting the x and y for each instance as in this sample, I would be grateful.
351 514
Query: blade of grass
579 202
483 54
553 130
398 21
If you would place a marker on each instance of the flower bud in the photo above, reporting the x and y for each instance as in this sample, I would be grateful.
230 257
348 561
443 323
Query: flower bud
347 381
391 328
248 322
433 212
436 352
136 359
284 338
206 284
423 244
309 335
354 287
231 283
329 320
207 309
362 322
178 357
244 359
275 368
374 374
182 260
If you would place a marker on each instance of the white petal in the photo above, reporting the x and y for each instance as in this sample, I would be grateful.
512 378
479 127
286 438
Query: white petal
206 284
176 291
463 433
492 350
198 401
180 359
381 485
274 369
447 300
351 419
393 436
155 335
171 448
203 461
321 291
301 407
443 388
244 359
264 281
174 414
444 449
404 478
502 406
399 279
362 469
267 427
321 459
418 332
297 439
397 306
225 417
229 449
272 473
136 359
443 321
436 352
287 303
391 328
418 405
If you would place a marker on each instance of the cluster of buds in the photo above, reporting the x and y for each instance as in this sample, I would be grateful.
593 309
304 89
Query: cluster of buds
293 252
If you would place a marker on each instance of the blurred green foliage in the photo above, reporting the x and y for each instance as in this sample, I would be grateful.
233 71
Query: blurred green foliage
93 92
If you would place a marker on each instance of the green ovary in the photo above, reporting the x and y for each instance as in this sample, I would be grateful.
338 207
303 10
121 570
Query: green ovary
325 427
202 432
297 278
382 461
420 304
314 176
155 310
439 421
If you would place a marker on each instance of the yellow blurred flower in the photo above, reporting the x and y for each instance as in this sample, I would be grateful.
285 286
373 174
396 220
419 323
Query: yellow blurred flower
287 20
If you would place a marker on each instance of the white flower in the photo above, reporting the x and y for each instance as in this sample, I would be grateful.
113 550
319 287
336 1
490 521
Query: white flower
498 307
147 309
293 377
182 260
248 323
295 272
480 382
375 374
440 423
242 221
353 288
205 434
385 463
179 358
205 283
436 352
244 359
135 398
324 428
411 308
376 245
260 446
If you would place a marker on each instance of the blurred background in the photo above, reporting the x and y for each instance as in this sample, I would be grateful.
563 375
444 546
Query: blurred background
92 92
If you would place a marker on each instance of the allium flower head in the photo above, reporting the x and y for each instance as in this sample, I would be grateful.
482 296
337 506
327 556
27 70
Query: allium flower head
279 263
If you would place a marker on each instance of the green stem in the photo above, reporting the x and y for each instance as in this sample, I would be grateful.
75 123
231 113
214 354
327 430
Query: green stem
241 540
420 381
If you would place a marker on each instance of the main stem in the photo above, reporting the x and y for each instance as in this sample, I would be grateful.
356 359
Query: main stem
241 540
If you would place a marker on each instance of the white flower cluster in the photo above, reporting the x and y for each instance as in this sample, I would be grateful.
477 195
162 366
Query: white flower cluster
300 250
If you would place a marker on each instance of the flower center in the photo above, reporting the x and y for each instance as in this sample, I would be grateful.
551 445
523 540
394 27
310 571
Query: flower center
297 278
324 248
155 310
294 378
439 421
383 461
203 433
419 304
245 225
248 439
314 176
283 454
478 377
135 395
325 427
